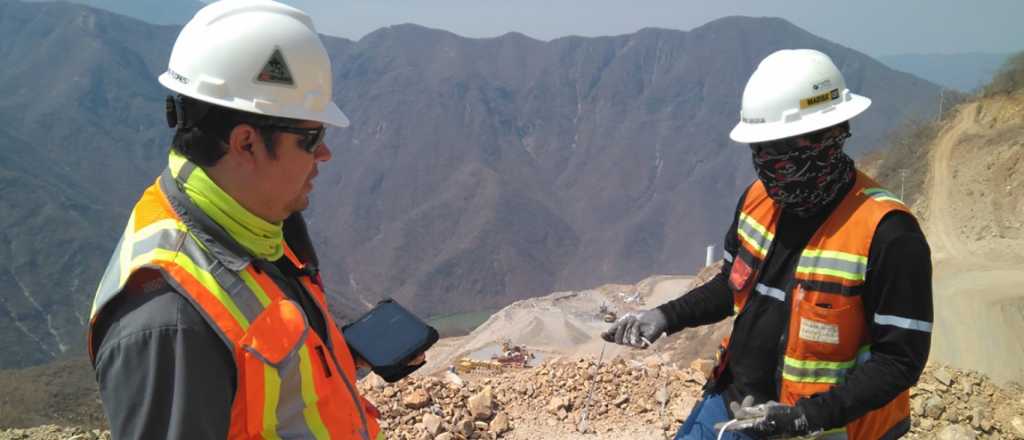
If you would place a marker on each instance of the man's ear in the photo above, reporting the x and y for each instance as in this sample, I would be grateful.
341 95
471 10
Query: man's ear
241 140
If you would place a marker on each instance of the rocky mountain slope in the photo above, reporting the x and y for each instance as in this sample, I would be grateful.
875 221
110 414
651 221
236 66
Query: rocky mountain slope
506 168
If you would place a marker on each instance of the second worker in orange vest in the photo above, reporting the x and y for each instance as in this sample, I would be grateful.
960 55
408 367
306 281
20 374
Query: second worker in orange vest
827 274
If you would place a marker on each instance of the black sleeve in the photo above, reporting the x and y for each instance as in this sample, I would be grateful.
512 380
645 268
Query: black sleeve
898 307
713 301
162 371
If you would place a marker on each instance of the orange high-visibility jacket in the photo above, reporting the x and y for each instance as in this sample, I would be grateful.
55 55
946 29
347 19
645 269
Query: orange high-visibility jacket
828 333
291 383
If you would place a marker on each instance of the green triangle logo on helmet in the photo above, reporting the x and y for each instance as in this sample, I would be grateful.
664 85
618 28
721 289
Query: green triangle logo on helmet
275 70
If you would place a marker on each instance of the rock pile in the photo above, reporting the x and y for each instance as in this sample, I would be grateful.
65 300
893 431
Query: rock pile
952 404
434 408
53 432
553 395
579 399
620 393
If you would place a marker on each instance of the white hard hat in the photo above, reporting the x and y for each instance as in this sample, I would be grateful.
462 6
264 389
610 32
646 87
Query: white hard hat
794 92
256 56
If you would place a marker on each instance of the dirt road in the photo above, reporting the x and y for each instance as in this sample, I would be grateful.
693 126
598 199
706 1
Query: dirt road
978 278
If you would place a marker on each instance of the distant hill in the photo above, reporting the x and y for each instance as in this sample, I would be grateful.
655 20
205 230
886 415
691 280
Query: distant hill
962 71
479 171
152 11
476 172
79 138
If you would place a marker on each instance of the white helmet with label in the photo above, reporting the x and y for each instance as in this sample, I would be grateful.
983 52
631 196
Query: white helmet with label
257 56
794 92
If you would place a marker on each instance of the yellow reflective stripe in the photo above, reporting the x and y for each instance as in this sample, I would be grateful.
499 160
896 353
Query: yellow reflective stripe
271 396
127 243
853 258
380 435
757 226
255 287
203 277
752 242
831 272
819 364
828 262
131 237
810 379
882 194
311 412
830 433
761 243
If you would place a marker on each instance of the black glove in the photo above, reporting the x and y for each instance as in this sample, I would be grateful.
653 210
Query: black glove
637 329
767 420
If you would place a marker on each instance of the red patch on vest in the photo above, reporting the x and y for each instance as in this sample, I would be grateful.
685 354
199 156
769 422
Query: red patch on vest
740 274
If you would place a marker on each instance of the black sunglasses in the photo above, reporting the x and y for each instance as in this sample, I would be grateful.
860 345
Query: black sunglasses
311 137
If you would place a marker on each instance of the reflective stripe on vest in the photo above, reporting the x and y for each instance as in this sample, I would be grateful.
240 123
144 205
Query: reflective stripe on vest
849 267
754 234
882 195
822 371
284 379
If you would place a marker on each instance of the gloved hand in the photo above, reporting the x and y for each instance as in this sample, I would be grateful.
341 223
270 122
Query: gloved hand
637 329
767 420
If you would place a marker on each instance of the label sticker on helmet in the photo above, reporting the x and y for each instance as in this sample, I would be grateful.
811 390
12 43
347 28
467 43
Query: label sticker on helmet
276 70
819 99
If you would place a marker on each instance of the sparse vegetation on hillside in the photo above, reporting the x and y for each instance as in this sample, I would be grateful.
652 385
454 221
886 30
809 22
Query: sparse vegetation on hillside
902 162
902 165
1009 78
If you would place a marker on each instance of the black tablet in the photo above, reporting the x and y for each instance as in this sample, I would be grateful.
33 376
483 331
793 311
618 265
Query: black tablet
388 337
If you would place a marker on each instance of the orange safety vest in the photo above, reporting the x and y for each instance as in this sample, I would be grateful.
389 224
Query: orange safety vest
291 383
828 335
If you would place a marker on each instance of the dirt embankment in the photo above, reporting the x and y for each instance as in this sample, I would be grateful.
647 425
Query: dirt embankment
973 215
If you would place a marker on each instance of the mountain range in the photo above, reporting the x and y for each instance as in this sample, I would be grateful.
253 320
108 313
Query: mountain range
476 171
153 11
498 169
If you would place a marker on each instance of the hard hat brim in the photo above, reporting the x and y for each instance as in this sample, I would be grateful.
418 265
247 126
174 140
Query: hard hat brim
330 115
747 133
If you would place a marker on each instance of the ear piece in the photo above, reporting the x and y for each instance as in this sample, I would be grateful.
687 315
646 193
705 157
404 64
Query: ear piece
171 111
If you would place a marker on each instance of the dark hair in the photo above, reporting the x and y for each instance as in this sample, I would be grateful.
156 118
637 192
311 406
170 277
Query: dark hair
203 130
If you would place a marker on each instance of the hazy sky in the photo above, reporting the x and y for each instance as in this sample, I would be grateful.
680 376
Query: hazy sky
877 27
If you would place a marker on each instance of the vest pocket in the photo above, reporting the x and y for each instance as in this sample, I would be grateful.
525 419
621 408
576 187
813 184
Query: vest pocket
825 331
269 360
276 333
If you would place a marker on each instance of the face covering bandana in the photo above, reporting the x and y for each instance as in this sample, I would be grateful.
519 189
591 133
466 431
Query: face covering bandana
805 174
261 238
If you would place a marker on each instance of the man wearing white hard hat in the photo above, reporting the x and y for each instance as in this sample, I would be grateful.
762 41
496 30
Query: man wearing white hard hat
827 274
211 319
